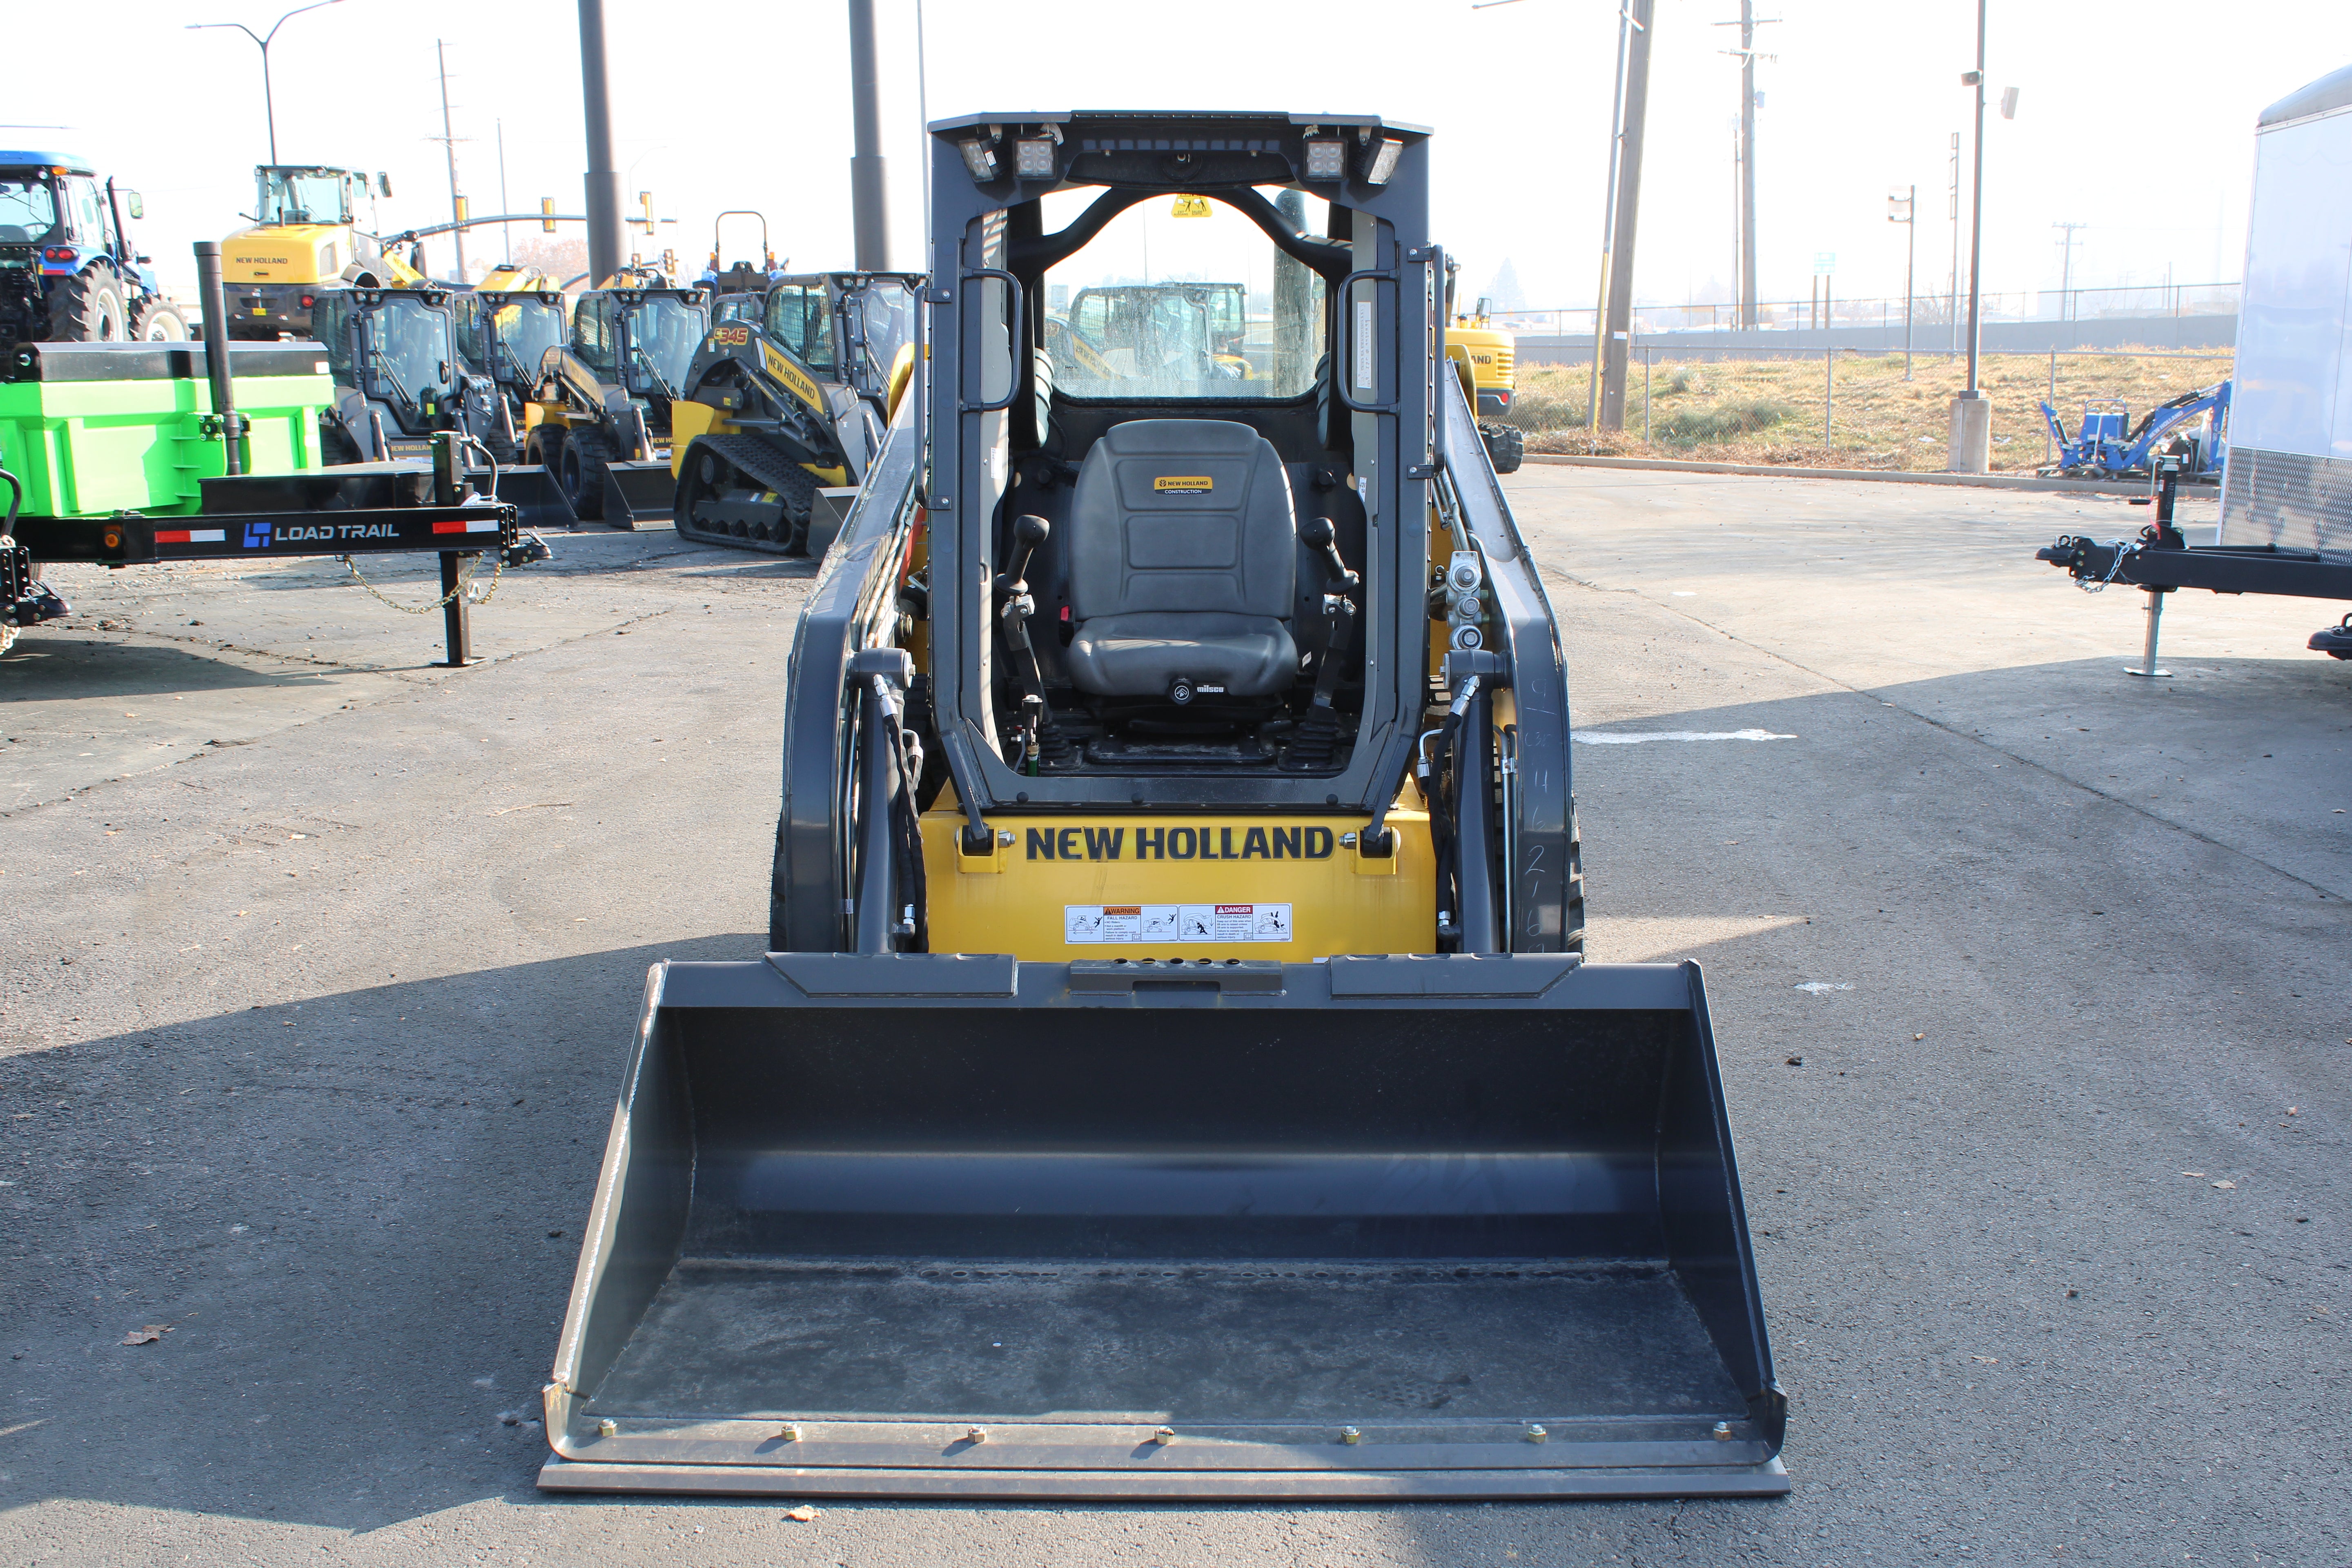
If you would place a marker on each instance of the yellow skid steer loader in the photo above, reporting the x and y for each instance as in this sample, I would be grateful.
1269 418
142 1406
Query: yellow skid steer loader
1175 1073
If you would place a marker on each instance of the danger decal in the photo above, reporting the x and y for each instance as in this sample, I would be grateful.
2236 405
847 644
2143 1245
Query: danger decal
1097 924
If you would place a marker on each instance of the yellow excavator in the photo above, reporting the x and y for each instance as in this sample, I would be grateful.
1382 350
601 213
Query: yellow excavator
314 229
1490 356
1174 1072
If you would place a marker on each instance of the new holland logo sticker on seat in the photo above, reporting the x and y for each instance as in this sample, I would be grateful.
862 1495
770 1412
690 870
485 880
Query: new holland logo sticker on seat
1184 484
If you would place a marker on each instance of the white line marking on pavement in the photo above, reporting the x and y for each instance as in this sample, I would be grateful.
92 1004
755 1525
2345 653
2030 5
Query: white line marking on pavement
1635 737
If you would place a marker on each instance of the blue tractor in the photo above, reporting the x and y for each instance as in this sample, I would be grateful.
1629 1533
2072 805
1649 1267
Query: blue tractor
2108 446
68 272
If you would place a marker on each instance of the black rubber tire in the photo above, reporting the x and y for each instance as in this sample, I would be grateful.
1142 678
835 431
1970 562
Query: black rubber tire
159 322
780 878
1572 900
1507 447
581 470
335 444
89 309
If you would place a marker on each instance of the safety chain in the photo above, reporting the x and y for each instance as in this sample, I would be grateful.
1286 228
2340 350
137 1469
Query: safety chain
2123 553
465 583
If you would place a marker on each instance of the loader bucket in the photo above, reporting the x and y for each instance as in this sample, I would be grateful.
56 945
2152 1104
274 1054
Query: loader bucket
637 493
925 1226
538 499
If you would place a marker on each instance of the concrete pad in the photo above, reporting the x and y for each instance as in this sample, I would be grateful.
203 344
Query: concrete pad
309 1043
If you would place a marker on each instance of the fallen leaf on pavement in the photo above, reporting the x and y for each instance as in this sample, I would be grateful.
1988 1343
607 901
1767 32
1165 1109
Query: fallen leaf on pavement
2225 1185
802 1514
147 1335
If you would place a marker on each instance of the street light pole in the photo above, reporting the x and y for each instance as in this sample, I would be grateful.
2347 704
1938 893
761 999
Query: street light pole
268 100
1975 210
1968 449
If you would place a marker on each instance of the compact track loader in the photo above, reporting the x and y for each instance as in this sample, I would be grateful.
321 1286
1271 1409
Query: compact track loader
600 418
786 407
505 324
1175 1074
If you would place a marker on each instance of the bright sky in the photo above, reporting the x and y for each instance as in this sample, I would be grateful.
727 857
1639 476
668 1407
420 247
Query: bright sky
2135 120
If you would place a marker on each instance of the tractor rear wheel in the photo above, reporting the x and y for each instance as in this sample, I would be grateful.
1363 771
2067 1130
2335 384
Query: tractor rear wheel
89 309
159 322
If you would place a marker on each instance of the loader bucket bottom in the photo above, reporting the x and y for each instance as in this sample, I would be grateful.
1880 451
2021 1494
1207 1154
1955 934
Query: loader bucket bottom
861 1230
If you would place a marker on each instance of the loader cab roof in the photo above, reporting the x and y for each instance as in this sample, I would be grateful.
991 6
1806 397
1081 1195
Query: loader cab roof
1144 328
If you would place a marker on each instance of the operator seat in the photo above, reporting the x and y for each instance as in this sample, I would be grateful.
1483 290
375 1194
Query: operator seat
1182 556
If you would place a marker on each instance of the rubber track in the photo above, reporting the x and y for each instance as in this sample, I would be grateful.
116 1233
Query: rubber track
756 458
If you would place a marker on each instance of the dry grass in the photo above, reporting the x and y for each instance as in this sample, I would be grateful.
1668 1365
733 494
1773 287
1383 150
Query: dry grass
1751 409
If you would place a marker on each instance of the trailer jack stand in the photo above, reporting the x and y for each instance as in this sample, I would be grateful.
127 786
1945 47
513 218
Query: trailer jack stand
2155 622
456 624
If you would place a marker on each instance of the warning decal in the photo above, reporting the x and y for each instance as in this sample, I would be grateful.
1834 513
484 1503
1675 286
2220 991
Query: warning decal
1088 924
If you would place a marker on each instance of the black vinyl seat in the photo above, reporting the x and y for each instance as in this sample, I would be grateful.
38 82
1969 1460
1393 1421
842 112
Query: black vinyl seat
1183 559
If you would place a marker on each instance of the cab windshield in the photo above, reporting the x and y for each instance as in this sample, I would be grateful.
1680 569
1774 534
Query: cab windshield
304 196
799 318
400 350
881 323
664 333
520 334
28 209
1172 301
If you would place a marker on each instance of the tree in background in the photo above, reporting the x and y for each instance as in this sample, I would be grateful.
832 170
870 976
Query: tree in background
1505 291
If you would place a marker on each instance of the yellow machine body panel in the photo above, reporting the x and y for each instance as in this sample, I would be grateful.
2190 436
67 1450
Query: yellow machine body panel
688 419
1181 886
1492 353
287 253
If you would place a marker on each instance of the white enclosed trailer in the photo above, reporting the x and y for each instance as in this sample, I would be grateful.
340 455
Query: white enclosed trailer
2290 470
2286 493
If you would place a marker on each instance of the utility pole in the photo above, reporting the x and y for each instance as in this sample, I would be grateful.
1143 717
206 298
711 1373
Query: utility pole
869 218
1745 156
1618 346
1608 219
449 145
506 230
603 180
2067 269
1902 207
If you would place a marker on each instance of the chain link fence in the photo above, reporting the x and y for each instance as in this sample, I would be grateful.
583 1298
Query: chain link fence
1842 408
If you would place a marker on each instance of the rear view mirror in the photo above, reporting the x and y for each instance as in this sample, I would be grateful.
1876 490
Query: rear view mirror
383 185
134 204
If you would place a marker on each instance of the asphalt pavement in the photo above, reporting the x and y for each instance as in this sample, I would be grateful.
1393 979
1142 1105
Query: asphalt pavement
2032 981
